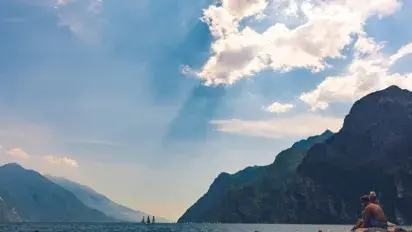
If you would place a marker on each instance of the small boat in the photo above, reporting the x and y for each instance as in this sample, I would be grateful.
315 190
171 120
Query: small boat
390 229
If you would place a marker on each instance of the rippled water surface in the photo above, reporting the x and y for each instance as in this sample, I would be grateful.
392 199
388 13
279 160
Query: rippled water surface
66 227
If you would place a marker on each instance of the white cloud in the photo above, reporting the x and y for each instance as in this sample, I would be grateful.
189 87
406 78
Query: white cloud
240 53
290 127
81 17
244 8
18 153
62 2
277 107
61 160
368 72
404 51
288 12
224 21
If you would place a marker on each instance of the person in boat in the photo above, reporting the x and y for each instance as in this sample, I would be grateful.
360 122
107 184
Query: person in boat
373 215
373 197
359 223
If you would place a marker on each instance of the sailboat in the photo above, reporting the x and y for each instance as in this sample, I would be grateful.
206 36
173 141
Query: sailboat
147 221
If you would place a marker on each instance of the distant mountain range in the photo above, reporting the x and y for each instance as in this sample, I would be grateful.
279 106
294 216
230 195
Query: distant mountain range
97 201
27 196
320 180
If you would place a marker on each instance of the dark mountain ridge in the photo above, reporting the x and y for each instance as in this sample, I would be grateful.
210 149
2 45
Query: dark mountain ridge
372 151
226 184
322 184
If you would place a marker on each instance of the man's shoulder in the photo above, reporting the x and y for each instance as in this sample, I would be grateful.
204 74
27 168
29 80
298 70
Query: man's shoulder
376 205
370 206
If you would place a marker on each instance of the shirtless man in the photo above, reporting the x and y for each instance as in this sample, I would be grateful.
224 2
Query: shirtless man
373 215
359 223
372 197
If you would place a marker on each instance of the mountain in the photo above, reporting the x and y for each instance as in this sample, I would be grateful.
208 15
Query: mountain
27 196
100 202
322 185
372 151
211 206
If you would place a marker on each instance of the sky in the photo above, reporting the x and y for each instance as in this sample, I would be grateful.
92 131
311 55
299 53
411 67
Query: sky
148 101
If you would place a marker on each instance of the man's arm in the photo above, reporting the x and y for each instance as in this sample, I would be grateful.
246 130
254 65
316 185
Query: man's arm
380 214
359 223
367 213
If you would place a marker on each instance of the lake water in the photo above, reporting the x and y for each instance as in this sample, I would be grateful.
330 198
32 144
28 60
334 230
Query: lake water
120 227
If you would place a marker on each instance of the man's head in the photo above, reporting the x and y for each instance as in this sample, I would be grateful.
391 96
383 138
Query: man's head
372 196
364 200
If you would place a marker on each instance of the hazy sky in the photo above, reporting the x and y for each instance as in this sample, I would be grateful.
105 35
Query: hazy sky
147 101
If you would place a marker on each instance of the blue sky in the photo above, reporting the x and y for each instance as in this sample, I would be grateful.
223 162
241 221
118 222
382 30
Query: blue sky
148 101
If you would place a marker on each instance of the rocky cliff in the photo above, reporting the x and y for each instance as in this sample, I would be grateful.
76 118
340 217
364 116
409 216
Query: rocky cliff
215 205
372 151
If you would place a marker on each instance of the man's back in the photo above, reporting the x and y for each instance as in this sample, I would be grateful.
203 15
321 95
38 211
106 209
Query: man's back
374 215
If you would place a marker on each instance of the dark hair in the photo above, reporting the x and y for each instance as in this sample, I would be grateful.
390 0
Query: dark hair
364 199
